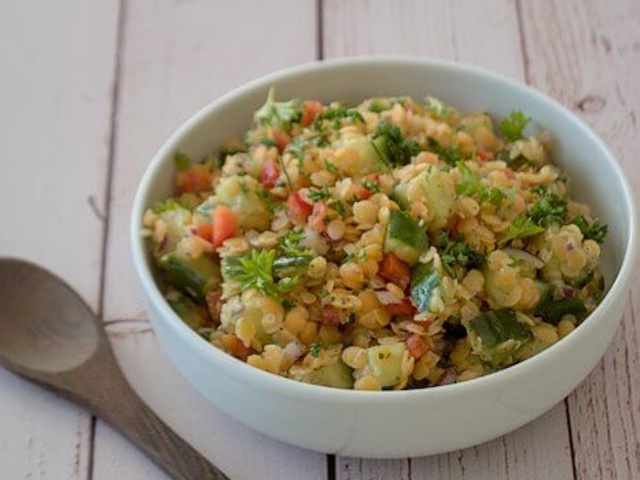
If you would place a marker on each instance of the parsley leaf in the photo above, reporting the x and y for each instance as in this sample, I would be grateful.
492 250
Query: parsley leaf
165 206
522 227
314 349
371 186
315 195
459 254
470 185
450 155
331 168
278 114
181 160
548 209
594 231
337 205
254 270
338 113
399 149
512 127
437 108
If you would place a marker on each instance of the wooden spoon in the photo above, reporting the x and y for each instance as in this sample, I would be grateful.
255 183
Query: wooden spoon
50 336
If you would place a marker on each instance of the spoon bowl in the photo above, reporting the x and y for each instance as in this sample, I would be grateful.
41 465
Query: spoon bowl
50 336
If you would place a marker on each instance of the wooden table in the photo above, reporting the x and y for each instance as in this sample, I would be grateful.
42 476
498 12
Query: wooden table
90 89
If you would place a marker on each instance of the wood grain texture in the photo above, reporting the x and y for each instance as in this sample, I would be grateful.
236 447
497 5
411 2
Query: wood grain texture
176 57
486 34
239 451
55 90
593 67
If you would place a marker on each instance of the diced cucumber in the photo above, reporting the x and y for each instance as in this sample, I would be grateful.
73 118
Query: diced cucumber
405 237
287 262
437 191
336 374
424 283
378 105
175 220
399 195
194 276
190 312
385 363
496 336
371 156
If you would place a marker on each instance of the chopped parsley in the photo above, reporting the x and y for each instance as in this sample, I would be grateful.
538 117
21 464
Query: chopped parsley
254 270
181 160
513 126
278 114
371 186
548 209
165 206
522 227
314 349
331 168
316 195
268 200
337 114
337 205
592 231
398 148
470 185
459 254
438 109
450 155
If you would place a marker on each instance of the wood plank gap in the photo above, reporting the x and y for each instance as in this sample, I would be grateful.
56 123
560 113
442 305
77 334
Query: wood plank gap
111 152
331 463
572 448
523 49
107 200
320 30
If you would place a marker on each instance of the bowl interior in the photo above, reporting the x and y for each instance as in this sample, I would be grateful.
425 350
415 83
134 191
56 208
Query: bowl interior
595 178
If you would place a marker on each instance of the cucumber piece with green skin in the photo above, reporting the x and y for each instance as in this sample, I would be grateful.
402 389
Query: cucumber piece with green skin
552 310
385 363
497 336
371 155
336 374
194 276
282 263
190 312
399 195
424 283
405 237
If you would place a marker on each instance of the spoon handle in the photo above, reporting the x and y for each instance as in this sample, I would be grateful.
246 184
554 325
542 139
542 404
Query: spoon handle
126 412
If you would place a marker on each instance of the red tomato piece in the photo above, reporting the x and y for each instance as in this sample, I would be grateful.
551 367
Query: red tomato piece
224 225
269 174
310 109
417 345
205 230
393 269
281 138
298 209
404 308
485 155
196 178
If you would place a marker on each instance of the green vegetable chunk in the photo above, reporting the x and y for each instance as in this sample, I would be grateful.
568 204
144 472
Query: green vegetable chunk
552 310
194 276
424 282
496 336
405 237
336 374
385 363
513 126
278 114
190 312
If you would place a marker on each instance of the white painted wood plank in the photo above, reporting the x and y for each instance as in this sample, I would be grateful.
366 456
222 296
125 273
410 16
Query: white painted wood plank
486 34
239 451
593 66
55 90
178 56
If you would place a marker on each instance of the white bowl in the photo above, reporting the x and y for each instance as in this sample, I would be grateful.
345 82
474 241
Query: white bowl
397 423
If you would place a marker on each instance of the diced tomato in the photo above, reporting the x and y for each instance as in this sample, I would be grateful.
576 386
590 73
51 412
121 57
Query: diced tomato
196 178
417 345
269 174
330 315
310 109
485 155
224 225
364 193
393 269
281 138
317 219
404 308
298 209
236 347
205 230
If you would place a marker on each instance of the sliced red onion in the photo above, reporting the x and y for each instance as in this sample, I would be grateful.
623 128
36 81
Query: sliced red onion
567 291
524 255
385 297
450 377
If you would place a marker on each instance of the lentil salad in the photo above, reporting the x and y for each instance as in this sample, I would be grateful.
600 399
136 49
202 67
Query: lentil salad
394 244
